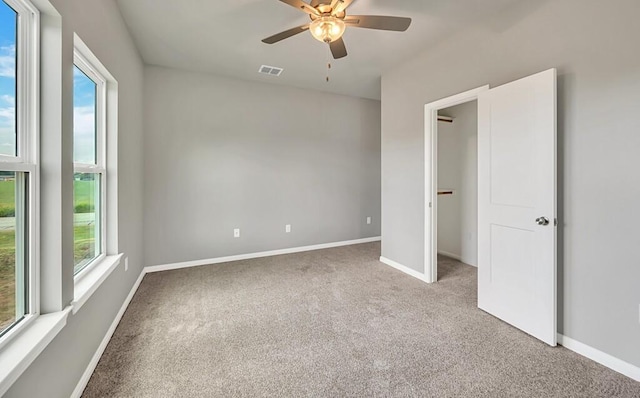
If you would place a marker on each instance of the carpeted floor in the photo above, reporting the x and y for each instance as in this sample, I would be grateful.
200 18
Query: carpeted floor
330 323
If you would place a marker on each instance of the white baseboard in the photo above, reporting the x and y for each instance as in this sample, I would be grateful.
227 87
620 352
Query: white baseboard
451 255
84 380
456 257
218 260
602 358
404 268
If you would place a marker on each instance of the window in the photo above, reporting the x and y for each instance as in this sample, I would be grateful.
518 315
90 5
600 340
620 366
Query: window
95 185
89 144
18 168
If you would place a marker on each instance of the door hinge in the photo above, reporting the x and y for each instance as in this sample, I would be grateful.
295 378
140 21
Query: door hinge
555 222
429 204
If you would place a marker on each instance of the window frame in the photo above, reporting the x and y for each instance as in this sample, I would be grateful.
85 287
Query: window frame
26 159
87 281
100 167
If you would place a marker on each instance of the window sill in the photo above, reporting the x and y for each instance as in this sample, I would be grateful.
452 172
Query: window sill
90 281
16 357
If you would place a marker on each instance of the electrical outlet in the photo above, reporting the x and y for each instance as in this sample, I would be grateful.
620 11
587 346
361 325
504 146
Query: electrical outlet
236 233
368 220
287 228
126 264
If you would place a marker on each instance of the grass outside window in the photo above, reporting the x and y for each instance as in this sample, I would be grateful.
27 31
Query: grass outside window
84 239
86 219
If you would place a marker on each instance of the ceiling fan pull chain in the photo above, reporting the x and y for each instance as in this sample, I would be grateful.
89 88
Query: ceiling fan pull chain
328 63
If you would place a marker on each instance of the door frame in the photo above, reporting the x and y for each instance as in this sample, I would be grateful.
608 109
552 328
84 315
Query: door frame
431 175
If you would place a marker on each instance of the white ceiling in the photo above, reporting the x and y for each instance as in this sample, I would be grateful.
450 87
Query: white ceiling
224 37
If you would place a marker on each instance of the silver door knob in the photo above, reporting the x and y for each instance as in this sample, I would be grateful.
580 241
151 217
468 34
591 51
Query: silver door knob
542 221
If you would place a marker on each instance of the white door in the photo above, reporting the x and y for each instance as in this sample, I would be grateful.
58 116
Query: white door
517 204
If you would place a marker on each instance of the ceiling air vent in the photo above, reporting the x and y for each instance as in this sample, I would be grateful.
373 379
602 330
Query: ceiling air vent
270 70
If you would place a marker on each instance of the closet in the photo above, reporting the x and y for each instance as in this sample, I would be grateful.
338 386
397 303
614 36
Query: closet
458 183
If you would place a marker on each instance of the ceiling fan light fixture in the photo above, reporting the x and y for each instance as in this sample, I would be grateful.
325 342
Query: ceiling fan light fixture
327 29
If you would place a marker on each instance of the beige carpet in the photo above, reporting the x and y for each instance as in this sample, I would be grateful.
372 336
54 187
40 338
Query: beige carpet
330 323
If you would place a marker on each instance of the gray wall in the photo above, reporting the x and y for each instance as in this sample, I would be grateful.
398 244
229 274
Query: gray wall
56 372
590 42
222 153
458 170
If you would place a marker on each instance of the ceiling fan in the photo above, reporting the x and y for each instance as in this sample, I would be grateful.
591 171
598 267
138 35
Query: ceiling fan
329 20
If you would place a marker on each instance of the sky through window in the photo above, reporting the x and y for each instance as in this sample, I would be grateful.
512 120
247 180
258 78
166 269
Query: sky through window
84 118
8 24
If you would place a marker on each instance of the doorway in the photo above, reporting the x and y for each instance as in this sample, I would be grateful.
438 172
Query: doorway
432 114
457 182
516 200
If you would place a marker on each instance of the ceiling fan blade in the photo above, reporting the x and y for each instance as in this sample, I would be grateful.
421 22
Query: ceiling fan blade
398 24
338 49
315 3
286 34
340 5
301 5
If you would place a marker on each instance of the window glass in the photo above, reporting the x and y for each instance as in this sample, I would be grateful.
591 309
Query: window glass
87 185
13 278
8 90
84 118
7 249
86 219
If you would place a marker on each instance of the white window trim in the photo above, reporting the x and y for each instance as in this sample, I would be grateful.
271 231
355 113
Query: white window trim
89 279
27 155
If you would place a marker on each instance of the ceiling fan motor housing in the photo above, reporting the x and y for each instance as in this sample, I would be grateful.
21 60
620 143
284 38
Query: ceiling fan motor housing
327 28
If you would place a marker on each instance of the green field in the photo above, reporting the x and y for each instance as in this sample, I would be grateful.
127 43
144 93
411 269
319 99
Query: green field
7 278
83 244
7 192
7 257
83 191
7 189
